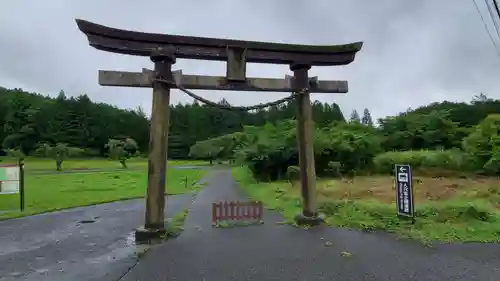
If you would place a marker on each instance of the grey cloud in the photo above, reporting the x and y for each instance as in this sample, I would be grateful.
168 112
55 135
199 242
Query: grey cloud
415 52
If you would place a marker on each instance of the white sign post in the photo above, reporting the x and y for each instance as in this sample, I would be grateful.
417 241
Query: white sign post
9 179
12 181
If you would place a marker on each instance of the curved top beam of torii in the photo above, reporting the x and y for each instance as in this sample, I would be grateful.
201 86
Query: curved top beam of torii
201 48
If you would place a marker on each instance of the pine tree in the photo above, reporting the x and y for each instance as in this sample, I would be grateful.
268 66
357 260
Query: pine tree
367 118
354 117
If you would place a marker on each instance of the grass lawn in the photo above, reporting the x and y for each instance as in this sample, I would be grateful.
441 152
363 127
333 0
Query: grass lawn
59 191
447 209
96 163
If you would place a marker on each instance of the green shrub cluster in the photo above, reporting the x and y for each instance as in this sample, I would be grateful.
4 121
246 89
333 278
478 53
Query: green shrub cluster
348 149
450 160
484 144
340 148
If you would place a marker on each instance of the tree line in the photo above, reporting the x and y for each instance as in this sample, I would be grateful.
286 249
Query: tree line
31 120
438 138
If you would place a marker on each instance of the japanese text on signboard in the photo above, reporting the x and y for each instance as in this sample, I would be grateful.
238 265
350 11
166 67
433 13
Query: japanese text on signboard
404 190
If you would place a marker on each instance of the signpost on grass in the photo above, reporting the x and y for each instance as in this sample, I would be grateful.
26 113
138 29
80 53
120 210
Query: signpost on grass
404 191
12 181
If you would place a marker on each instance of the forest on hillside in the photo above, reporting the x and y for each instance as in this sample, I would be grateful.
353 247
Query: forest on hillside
440 136
30 120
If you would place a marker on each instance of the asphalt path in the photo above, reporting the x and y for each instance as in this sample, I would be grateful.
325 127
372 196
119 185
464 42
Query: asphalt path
80 244
67 245
280 252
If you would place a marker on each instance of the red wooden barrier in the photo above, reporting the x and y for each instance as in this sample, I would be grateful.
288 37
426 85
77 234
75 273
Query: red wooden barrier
236 210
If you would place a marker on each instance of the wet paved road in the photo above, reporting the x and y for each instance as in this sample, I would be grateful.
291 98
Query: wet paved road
280 252
54 246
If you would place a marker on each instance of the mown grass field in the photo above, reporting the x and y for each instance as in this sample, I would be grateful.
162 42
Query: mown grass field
32 164
48 190
447 209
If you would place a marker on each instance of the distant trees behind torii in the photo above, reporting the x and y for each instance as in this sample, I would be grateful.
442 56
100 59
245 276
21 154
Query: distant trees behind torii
30 120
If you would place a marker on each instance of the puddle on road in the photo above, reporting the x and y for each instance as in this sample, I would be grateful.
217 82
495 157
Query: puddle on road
86 221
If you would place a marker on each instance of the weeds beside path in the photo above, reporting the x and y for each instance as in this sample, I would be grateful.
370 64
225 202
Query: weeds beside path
466 215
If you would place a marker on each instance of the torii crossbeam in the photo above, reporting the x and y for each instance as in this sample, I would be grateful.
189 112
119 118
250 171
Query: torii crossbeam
163 49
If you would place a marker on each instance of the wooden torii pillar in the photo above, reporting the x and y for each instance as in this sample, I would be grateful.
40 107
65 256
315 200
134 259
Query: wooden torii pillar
163 49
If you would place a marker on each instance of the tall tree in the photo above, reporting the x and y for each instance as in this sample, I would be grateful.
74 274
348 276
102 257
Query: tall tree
19 123
354 117
367 118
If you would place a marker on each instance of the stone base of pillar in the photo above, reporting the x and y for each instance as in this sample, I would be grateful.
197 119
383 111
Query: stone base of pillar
304 220
147 234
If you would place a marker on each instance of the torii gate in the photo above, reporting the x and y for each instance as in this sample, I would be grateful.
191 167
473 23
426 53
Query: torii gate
163 49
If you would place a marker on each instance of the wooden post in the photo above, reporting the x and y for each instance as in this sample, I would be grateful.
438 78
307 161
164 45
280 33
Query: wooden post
158 142
305 139
21 184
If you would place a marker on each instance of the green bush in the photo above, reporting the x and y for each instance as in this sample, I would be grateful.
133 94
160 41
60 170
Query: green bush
122 150
269 150
484 144
452 160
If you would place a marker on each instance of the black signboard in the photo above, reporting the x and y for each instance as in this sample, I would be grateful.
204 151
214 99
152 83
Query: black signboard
404 191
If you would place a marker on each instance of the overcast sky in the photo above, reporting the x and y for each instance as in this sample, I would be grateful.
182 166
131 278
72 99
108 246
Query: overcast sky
414 53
